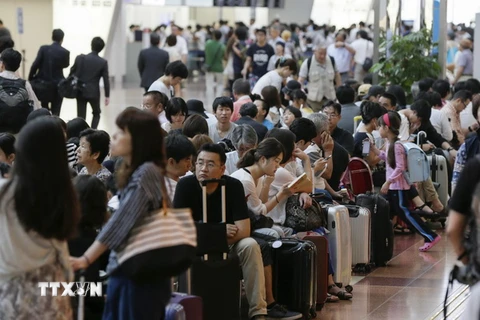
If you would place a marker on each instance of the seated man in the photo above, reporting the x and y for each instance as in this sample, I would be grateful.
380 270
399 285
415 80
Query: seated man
243 139
334 113
346 98
179 151
248 112
210 164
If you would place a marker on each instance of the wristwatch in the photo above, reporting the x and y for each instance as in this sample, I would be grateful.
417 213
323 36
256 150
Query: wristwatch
450 149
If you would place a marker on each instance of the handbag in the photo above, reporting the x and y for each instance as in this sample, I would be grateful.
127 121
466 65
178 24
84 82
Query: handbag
368 63
44 90
71 86
300 219
163 245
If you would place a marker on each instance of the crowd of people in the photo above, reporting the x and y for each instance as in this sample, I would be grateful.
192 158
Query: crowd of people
286 101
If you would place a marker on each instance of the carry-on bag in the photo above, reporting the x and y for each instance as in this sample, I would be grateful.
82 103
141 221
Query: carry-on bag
295 275
360 226
381 231
340 243
175 311
192 305
321 243
217 279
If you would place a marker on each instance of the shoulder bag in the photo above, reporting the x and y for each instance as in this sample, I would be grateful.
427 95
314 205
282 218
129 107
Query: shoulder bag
161 246
71 86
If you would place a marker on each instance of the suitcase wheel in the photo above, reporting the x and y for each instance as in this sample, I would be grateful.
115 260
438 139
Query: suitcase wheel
339 284
349 288
320 306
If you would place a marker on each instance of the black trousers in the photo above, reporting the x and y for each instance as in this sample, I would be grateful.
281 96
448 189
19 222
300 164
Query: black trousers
55 105
82 109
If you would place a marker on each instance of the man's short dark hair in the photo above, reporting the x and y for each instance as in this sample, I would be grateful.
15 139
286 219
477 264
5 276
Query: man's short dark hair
97 44
222 101
473 85
178 147
5 43
175 106
423 110
462 94
11 59
154 39
249 109
461 85
336 106
425 84
176 69
391 97
157 97
214 148
241 86
58 35
99 142
345 94
217 35
241 33
442 87
262 30
433 98
304 129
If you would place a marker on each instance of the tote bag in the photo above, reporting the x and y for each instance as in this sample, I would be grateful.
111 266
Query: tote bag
162 246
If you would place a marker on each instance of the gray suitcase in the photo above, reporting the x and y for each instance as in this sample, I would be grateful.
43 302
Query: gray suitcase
360 223
439 174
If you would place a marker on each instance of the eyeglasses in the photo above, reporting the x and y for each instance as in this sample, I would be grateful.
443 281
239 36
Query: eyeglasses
209 165
146 106
331 115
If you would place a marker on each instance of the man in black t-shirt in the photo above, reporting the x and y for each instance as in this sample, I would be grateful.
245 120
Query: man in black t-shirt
258 55
188 194
341 136
460 206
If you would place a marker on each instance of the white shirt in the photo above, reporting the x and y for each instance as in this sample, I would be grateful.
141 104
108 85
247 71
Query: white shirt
213 132
181 46
466 117
318 181
273 42
273 60
271 78
440 122
363 48
342 57
253 201
160 86
201 36
173 54
171 186
231 163
282 177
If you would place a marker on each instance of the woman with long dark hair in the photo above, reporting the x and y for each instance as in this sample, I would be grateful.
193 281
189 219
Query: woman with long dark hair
39 212
139 141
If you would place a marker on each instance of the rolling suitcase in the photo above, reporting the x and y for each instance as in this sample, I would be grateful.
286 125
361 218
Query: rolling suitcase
439 174
340 244
217 281
321 243
360 226
295 275
192 305
359 176
381 231
175 311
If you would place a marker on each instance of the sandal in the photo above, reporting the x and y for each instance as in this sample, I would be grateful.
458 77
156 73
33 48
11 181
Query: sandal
343 295
398 229
428 245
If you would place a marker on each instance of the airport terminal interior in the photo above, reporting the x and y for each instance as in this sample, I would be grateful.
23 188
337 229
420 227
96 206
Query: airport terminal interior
412 284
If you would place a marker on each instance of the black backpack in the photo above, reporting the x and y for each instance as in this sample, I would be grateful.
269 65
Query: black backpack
15 105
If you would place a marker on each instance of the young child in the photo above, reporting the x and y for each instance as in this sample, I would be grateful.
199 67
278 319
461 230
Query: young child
396 186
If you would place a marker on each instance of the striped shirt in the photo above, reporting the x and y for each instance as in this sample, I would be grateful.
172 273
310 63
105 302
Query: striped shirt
72 154
140 196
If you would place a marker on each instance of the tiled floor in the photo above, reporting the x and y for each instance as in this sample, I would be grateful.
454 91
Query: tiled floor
413 284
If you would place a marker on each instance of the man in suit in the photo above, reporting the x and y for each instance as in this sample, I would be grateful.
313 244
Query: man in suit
89 69
152 62
48 70
248 112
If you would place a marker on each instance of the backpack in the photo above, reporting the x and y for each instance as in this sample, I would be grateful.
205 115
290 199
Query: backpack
418 168
15 105
300 219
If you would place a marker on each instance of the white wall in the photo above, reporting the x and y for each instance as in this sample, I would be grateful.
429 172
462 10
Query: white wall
294 11
38 26
153 16
341 13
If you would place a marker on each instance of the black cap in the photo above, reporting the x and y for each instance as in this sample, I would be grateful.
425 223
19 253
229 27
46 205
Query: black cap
291 85
374 91
196 107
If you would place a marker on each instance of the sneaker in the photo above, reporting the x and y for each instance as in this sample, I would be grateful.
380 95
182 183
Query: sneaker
280 312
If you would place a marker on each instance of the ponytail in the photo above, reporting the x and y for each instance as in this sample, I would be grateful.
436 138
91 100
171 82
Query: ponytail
391 154
247 160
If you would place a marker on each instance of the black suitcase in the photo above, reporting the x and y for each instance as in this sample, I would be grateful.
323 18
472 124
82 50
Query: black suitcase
295 275
381 231
217 281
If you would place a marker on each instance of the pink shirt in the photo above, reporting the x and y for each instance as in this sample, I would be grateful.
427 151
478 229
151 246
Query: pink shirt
395 176
236 107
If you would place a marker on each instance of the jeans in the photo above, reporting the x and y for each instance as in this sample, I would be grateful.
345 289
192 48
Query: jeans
214 83
82 109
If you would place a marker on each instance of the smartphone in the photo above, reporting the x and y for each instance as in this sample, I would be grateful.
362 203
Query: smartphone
366 148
